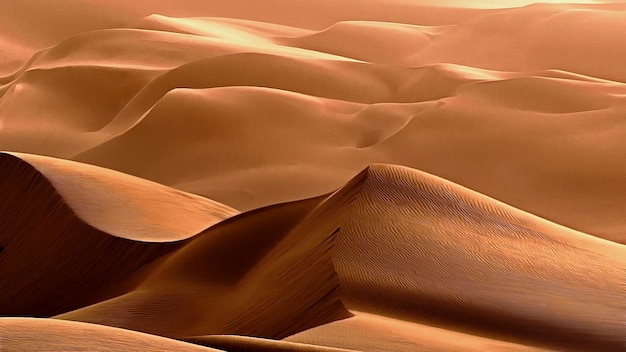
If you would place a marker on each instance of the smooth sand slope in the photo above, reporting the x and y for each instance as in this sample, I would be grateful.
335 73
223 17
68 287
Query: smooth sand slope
369 332
523 104
70 230
127 206
396 242
28 334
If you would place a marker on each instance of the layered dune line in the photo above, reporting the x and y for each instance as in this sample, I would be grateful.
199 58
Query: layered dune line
69 230
538 101
395 242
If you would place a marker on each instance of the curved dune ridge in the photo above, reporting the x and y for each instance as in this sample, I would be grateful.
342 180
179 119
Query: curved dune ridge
70 230
235 343
127 206
412 175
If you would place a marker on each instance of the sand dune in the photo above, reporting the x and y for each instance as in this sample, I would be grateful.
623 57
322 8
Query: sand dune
123 205
413 175
70 230
449 257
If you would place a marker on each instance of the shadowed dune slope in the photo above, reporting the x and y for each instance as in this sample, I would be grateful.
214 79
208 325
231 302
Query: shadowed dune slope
62 227
249 275
394 241
51 335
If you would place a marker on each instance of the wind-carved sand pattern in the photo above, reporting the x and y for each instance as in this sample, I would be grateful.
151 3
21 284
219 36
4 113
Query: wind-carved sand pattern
362 175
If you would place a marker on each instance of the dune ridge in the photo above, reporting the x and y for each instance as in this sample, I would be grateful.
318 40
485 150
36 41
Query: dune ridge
66 234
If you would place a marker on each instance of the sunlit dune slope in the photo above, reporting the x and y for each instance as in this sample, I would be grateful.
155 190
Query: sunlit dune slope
69 231
127 206
50 335
367 332
396 242
490 135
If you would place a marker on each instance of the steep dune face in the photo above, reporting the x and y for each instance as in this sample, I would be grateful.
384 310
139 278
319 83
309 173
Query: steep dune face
69 231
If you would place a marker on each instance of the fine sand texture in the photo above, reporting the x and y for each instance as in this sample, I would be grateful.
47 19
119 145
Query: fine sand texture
302 175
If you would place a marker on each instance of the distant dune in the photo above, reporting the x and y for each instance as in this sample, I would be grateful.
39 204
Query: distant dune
297 175
538 101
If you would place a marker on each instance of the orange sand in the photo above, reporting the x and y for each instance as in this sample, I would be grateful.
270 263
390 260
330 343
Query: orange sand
412 175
